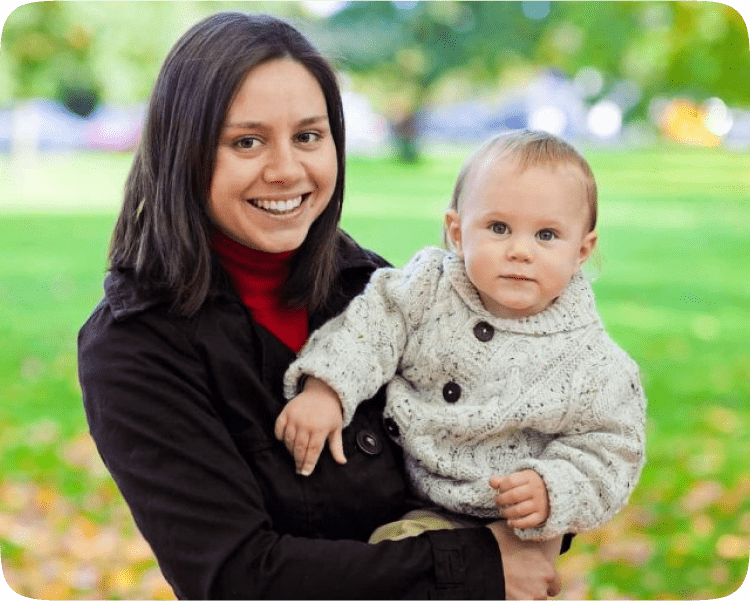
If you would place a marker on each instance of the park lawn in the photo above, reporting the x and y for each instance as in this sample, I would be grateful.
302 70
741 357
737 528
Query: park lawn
671 285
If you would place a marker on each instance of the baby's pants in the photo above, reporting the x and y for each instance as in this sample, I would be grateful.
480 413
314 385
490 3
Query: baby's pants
418 521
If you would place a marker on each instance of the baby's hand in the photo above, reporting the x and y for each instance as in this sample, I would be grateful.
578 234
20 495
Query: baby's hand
307 421
522 498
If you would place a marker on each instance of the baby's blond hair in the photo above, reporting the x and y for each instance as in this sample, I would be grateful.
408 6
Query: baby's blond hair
528 149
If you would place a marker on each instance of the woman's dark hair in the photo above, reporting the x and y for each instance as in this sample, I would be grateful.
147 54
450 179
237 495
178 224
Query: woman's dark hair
163 232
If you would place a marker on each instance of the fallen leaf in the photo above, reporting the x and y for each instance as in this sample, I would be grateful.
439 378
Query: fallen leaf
701 495
730 546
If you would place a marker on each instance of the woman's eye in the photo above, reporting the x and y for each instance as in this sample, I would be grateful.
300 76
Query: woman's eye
546 235
308 137
499 228
246 143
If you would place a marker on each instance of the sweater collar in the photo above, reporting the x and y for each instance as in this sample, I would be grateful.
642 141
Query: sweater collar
259 263
575 308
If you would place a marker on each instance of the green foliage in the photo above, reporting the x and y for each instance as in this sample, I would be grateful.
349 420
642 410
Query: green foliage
404 58
111 49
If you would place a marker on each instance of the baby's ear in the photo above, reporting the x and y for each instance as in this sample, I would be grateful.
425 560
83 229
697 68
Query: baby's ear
453 230
587 247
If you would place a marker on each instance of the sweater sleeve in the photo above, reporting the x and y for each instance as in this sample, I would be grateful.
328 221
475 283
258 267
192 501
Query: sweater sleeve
360 350
590 470
201 506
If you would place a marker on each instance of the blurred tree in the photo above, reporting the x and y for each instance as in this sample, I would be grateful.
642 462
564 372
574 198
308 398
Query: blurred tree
48 54
86 52
406 54
404 51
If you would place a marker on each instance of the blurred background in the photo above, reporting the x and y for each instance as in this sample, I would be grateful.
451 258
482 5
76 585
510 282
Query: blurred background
656 95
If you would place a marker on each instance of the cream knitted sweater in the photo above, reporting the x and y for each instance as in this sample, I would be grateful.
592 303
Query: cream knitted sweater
474 395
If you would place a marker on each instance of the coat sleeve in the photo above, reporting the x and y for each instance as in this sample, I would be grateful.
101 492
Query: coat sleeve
200 506
360 350
591 468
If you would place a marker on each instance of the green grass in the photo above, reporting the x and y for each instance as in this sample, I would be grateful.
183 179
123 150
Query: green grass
672 288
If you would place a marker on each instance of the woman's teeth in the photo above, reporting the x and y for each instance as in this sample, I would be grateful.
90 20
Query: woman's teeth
277 206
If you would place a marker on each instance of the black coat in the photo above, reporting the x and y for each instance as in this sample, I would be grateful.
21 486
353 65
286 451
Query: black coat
182 411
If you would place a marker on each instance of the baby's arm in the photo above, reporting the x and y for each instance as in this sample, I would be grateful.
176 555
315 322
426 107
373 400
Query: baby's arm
360 350
522 498
307 421
591 467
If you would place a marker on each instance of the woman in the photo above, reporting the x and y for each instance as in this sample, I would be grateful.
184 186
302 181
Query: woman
226 254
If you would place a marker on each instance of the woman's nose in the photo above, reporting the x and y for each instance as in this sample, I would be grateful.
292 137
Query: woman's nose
283 165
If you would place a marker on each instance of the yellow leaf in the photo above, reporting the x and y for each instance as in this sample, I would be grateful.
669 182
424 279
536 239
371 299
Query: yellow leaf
701 496
730 546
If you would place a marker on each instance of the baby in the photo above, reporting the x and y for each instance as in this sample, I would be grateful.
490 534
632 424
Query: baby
505 392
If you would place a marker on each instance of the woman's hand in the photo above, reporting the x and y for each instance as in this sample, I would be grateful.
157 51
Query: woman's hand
307 421
522 498
528 565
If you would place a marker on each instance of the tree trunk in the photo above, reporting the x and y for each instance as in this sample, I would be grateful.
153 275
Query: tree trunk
406 137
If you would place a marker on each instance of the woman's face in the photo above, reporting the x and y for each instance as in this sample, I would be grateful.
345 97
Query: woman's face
276 160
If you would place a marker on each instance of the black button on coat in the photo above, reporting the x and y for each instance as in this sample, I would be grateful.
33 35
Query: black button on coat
182 411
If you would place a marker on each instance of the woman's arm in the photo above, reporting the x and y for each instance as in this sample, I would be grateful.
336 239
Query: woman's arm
201 506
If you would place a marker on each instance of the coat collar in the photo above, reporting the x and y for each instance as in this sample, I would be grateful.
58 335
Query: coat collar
127 297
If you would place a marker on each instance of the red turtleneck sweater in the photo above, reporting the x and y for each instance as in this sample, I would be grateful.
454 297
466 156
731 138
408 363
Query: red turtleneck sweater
258 276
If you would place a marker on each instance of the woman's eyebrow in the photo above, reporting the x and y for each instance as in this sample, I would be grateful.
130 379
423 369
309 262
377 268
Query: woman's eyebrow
307 121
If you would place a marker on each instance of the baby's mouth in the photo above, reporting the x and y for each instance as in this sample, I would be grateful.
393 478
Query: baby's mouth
518 278
278 207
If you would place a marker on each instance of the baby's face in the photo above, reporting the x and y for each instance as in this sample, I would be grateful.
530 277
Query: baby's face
523 235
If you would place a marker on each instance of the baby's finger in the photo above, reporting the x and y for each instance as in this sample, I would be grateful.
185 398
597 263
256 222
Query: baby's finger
499 483
512 497
299 447
530 521
336 445
290 435
280 427
308 461
519 510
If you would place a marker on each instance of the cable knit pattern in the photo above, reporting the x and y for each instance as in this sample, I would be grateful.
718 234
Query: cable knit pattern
551 392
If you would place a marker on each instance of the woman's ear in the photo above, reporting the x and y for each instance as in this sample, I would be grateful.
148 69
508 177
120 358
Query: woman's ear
587 247
453 229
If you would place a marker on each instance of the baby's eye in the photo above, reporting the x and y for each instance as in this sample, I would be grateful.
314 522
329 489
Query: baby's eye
546 235
499 228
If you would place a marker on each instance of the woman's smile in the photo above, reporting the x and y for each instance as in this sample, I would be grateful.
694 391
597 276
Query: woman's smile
279 206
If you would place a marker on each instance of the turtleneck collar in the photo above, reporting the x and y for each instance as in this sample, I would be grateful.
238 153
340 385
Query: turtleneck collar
258 277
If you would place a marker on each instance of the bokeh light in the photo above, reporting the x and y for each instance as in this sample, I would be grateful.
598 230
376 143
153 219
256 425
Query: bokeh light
604 119
548 118
717 117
